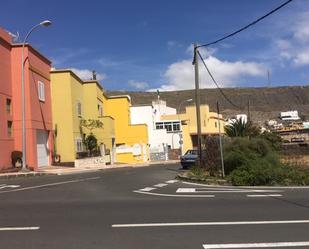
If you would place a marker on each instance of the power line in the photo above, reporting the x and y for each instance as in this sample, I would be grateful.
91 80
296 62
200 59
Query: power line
247 26
214 81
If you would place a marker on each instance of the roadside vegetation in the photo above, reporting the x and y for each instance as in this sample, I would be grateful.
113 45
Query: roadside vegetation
250 158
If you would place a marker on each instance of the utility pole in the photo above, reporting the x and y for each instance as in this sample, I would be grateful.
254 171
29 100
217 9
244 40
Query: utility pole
220 141
197 105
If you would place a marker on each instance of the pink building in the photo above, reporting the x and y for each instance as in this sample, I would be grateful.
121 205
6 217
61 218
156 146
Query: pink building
39 142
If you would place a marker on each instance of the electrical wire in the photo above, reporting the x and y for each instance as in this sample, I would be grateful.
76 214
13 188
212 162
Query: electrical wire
214 81
247 26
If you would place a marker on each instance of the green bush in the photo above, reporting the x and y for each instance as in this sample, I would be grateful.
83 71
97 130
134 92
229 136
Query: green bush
256 162
241 152
91 142
263 172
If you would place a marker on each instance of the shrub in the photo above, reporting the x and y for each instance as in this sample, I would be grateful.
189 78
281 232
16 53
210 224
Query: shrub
274 140
245 152
91 143
211 155
263 172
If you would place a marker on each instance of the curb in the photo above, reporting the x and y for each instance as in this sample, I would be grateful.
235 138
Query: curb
205 181
82 171
30 174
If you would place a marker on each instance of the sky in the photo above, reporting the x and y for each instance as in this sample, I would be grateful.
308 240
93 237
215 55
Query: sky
142 45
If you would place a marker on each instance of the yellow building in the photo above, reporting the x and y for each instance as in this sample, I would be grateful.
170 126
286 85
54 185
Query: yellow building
209 124
72 100
131 140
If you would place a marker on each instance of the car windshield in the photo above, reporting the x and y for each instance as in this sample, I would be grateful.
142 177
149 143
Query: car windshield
191 152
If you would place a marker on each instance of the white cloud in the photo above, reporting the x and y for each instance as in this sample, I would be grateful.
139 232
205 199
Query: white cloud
180 75
205 52
295 49
139 85
302 58
301 29
86 74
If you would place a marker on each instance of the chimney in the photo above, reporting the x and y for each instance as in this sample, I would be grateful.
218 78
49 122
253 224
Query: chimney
94 75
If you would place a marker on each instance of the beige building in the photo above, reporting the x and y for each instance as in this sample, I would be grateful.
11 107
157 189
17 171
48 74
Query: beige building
209 125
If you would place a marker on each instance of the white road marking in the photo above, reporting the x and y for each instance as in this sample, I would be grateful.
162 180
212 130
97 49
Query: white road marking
147 189
170 195
18 228
257 245
185 190
9 186
50 184
217 190
172 181
223 223
247 187
160 185
276 195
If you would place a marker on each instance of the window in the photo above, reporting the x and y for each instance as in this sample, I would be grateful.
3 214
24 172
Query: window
159 126
41 91
168 126
79 108
8 106
79 145
100 109
10 129
176 126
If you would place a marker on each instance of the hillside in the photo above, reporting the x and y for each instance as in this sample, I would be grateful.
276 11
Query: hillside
265 103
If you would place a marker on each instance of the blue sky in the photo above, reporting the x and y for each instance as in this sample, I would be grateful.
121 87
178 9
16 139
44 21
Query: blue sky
143 44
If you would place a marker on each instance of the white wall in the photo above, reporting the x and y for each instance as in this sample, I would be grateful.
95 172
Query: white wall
151 114
146 115
160 109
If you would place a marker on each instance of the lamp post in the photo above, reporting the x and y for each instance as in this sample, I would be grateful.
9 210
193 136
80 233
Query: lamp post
180 134
45 23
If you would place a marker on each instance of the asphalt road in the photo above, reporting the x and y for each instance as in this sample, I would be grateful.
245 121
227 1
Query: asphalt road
134 208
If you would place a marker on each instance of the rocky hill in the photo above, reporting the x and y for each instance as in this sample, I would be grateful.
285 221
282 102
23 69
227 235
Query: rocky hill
264 103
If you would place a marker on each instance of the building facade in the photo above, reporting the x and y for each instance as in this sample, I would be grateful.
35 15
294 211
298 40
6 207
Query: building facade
209 125
158 138
38 119
75 100
132 143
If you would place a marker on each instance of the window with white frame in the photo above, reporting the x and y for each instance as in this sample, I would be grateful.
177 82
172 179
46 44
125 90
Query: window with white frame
79 108
170 126
79 145
100 109
41 91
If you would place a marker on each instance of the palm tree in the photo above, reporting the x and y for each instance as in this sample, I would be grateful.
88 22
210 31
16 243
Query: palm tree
240 128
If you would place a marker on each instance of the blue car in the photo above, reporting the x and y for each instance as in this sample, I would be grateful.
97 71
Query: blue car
188 159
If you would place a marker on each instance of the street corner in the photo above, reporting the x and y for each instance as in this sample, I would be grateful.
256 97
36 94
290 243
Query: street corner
182 189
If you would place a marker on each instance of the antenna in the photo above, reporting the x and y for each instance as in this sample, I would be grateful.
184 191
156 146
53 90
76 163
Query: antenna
268 78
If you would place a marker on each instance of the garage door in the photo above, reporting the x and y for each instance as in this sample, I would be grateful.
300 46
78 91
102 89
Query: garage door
42 150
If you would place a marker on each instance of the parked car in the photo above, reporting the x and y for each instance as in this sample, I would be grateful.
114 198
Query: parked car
188 159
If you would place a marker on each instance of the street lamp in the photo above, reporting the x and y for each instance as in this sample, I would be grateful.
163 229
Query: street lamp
45 23
180 134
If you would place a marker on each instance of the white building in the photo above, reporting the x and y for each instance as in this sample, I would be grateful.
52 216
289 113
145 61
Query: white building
238 117
289 116
162 134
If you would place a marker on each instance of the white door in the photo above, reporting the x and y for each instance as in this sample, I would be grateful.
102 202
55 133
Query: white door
42 149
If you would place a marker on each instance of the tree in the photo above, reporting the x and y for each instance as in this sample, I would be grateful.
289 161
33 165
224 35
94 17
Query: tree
91 124
91 143
240 128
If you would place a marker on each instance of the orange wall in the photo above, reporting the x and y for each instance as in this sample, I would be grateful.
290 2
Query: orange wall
38 113
6 143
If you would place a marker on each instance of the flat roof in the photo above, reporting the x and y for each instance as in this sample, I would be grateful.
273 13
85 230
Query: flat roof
70 71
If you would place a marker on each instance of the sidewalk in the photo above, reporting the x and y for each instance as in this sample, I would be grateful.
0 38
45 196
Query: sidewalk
57 170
